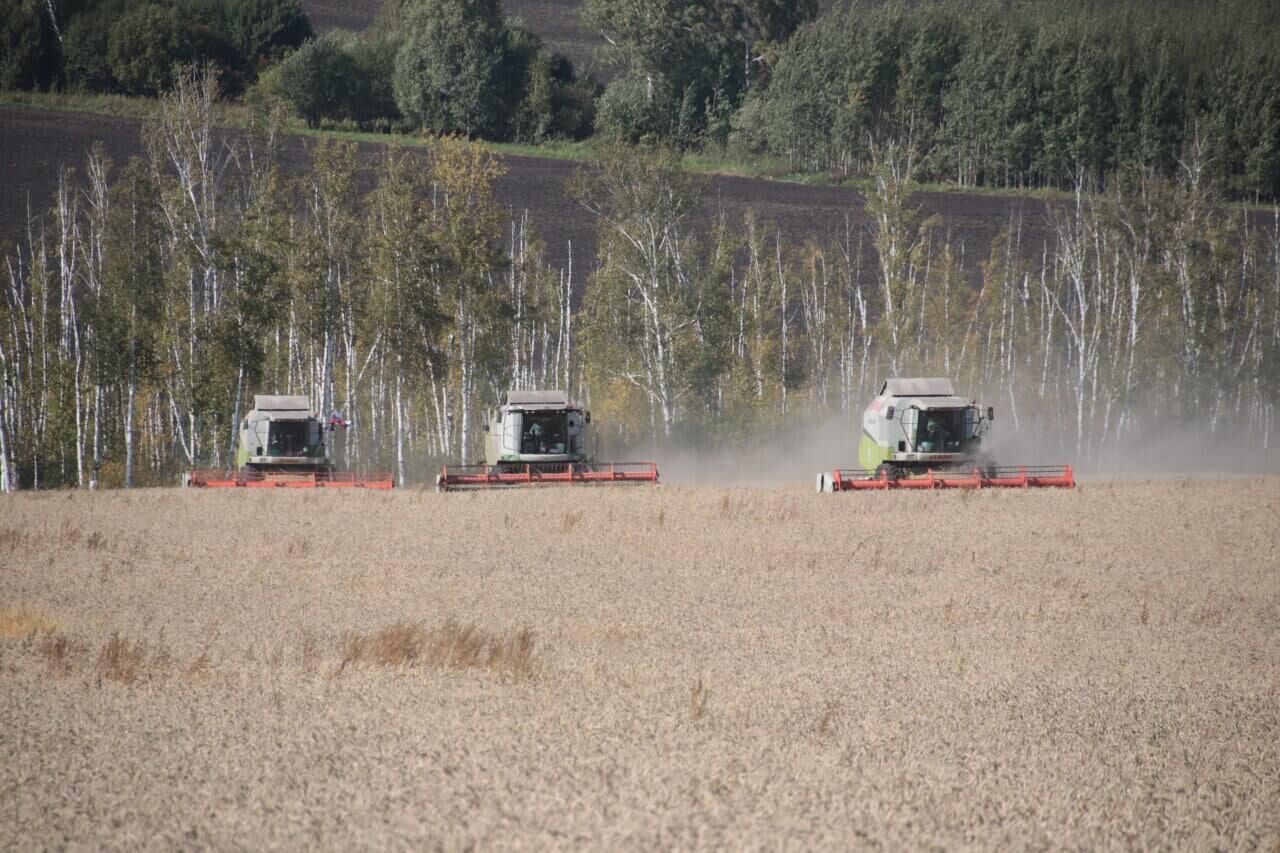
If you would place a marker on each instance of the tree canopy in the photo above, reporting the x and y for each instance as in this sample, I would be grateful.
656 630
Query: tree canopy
1030 94
131 46
684 63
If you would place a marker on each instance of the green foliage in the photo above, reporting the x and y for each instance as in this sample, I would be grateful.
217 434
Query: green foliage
131 46
340 77
1029 94
403 254
28 46
84 50
635 109
448 75
265 30
203 38
145 44
652 305
692 59
554 103
131 306
374 57
463 69
319 81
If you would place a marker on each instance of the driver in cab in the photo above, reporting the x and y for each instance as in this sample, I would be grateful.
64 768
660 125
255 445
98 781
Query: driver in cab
533 439
933 435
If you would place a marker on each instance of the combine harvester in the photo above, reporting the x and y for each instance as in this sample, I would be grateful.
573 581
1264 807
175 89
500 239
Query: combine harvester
539 438
283 445
917 434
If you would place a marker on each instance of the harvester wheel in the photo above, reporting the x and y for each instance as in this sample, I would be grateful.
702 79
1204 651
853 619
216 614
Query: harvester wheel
884 468
988 466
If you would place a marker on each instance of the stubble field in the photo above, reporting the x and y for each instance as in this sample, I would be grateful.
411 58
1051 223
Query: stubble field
643 668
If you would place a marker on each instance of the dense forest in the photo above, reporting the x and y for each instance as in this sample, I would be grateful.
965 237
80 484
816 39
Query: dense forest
157 295
131 47
1001 93
1032 94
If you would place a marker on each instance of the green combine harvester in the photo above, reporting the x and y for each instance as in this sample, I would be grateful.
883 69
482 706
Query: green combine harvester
917 434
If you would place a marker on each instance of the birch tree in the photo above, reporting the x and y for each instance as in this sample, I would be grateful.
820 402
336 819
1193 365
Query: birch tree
646 287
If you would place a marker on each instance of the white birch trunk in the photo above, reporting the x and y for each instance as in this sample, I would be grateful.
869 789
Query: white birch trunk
399 424
128 433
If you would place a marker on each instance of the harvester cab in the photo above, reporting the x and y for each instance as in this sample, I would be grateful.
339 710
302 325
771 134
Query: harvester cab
918 434
536 428
917 424
281 432
284 444
540 438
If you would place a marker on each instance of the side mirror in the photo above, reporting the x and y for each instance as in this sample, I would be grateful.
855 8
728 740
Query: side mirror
586 417
991 413
889 413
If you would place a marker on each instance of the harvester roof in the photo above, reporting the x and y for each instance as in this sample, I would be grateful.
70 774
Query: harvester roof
282 407
936 393
533 400
935 387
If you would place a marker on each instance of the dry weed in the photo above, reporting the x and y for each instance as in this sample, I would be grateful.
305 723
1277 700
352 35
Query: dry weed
452 646
310 653
1210 614
468 647
126 661
19 622
698 695
75 537
200 665
352 652
61 654
13 538
827 719
398 645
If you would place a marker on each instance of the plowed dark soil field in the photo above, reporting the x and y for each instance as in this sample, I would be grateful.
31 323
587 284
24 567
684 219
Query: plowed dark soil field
35 144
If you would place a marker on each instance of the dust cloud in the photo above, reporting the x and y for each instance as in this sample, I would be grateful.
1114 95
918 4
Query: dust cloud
790 459
1167 449
793 459
1184 451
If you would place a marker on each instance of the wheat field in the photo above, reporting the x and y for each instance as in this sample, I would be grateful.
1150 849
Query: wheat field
643 667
